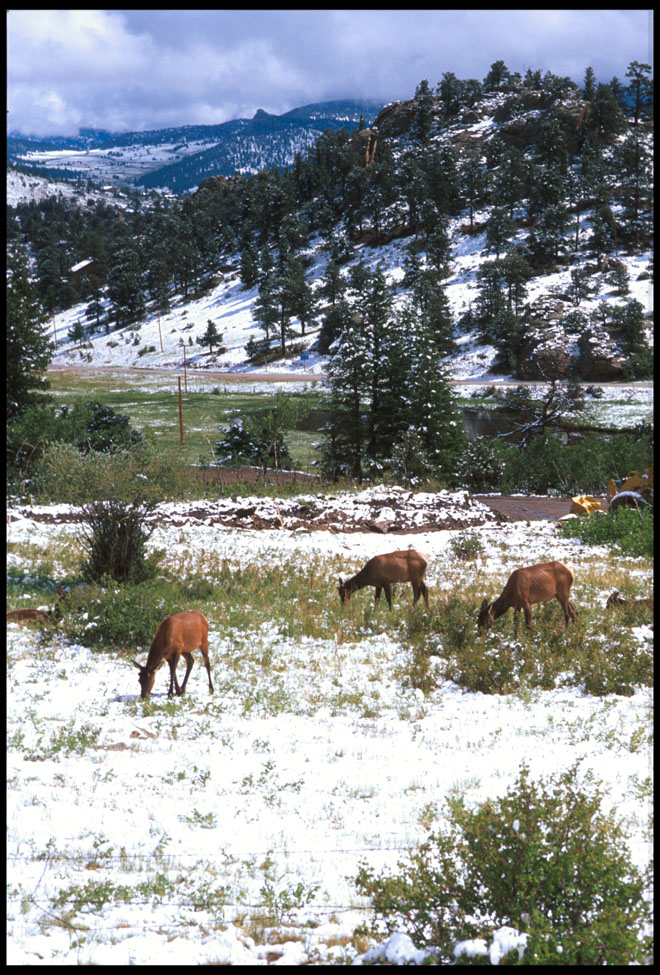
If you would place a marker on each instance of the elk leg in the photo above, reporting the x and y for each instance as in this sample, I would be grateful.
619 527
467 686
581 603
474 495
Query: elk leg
189 666
388 594
378 591
208 671
423 588
528 614
172 662
569 610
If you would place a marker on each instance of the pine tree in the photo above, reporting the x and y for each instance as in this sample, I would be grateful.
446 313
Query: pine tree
125 285
303 300
450 91
431 308
423 120
509 179
28 347
472 185
634 167
265 308
249 261
589 90
499 230
429 406
372 304
607 117
211 336
497 76
603 231
348 370
640 89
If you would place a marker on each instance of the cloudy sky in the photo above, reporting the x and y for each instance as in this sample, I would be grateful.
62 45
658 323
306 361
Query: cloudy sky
126 70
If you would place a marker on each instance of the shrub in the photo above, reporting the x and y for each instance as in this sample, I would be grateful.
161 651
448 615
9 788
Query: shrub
114 536
544 859
583 468
628 531
481 466
466 546
139 473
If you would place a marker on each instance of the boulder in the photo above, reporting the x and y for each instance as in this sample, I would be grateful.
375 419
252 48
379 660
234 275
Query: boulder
599 360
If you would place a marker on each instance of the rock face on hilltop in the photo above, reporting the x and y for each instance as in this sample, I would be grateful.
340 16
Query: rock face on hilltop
518 119
571 114
218 183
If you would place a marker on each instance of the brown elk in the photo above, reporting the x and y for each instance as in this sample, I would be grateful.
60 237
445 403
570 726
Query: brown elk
177 635
383 570
534 584
616 599
21 616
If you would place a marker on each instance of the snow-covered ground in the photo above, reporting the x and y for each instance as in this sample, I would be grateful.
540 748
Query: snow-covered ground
310 758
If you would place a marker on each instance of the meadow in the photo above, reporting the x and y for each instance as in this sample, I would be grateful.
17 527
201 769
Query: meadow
232 827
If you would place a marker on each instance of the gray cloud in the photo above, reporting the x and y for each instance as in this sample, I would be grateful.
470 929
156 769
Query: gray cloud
142 69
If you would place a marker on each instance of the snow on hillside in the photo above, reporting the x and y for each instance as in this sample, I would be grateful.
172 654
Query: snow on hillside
230 306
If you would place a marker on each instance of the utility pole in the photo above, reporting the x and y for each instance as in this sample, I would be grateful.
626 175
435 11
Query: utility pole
180 413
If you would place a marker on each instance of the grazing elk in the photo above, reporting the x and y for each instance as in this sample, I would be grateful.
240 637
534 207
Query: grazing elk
177 635
616 599
534 584
383 570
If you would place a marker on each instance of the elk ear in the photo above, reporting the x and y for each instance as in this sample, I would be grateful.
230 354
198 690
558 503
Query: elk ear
484 605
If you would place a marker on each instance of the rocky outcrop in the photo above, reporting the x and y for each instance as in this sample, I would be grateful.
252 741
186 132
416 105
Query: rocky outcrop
365 142
599 360
523 130
395 119
218 182
545 352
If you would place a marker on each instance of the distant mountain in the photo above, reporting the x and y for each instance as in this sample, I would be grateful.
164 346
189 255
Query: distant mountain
179 158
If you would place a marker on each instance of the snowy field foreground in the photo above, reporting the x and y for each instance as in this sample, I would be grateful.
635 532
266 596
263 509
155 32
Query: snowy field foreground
211 811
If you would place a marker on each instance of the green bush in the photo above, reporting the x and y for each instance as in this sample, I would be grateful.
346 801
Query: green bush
544 859
628 531
579 468
89 426
482 465
142 473
107 616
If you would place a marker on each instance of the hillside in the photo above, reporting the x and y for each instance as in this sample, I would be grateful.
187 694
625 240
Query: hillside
512 222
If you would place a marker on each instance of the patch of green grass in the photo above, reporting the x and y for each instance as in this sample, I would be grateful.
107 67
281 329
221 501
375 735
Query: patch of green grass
152 403
596 653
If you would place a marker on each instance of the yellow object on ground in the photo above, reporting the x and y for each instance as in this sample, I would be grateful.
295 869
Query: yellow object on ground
633 482
584 504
